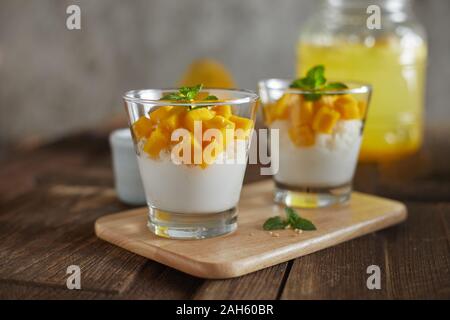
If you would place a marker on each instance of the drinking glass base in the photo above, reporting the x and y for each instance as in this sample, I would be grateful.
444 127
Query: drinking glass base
191 226
303 197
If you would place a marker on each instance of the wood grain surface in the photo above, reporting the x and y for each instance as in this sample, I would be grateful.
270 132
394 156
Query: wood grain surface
250 248
51 196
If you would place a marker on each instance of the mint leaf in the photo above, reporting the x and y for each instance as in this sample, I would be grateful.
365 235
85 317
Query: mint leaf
317 76
335 86
303 83
293 220
187 94
298 222
303 224
172 96
315 81
274 223
193 91
291 215
312 96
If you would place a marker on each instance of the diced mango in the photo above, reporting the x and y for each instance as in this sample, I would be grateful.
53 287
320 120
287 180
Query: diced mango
302 113
157 141
347 106
325 120
173 119
244 124
302 136
281 109
224 111
200 114
268 113
160 113
142 128
220 123
362 106
327 100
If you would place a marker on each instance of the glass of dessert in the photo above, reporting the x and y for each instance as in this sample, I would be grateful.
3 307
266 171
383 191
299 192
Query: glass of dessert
192 148
320 127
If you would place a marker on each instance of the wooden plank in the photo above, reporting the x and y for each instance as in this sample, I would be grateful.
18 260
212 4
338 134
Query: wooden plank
413 257
250 248
17 290
156 281
338 272
37 246
418 254
260 285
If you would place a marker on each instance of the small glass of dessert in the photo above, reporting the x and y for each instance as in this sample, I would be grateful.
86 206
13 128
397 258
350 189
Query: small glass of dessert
320 127
192 147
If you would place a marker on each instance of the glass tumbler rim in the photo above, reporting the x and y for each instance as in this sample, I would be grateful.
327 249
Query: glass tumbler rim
248 96
355 87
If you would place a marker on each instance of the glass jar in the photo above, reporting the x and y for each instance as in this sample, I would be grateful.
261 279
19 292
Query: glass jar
391 58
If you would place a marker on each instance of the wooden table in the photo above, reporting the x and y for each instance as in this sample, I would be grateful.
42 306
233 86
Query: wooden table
51 196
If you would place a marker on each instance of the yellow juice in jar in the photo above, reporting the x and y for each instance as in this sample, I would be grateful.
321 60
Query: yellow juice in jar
394 126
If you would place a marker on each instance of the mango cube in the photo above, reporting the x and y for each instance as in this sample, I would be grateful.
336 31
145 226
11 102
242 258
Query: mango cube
219 122
281 109
224 111
302 113
244 124
157 141
173 119
362 106
347 106
160 113
302 136
268 113
142 128
200 114
325 120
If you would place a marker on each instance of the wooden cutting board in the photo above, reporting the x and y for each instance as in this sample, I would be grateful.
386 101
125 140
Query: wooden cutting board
250 248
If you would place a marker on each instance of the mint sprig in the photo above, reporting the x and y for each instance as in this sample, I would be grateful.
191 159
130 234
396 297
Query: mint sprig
293 220
188 94
274 223
315 81
298 222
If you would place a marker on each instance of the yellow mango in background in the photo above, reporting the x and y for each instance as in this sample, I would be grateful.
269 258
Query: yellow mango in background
142 128
200 114
209 72
157 141
302 136
347 106
325 120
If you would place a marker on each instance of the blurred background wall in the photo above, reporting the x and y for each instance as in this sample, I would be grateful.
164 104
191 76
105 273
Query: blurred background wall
55 81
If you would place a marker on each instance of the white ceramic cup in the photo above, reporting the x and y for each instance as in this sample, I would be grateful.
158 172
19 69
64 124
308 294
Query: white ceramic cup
126 172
